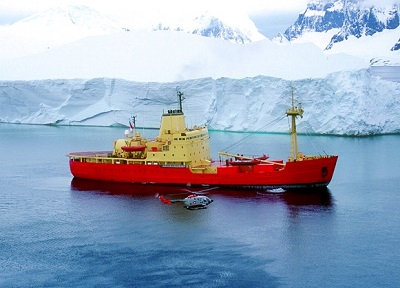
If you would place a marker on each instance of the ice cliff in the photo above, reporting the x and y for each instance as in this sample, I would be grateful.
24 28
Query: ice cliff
343 103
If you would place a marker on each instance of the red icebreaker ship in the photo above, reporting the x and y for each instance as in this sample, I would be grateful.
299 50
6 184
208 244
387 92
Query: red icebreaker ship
181 156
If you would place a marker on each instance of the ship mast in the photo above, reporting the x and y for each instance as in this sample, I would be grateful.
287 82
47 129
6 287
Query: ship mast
294 112
133 121
180 99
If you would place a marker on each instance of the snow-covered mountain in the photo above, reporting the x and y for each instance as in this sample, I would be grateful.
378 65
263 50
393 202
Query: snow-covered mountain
59 26
396 46
53 28
67 21
77 42
241 30
340 20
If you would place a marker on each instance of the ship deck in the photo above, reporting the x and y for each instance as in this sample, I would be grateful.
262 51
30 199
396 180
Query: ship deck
91 154
106 157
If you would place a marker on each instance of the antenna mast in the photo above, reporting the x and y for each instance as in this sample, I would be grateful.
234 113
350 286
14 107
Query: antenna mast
134 122
180 99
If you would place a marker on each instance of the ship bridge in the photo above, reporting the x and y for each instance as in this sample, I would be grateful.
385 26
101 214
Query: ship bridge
180 145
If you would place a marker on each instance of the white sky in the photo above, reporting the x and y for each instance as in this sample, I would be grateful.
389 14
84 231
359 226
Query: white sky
15 9
29 6
265 13
270 16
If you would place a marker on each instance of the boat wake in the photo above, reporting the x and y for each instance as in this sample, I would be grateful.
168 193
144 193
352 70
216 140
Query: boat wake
276 190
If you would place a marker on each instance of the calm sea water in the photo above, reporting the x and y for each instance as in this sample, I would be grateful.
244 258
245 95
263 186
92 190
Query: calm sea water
60 232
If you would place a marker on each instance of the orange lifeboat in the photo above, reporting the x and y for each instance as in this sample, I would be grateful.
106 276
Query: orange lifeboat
136 148
240 160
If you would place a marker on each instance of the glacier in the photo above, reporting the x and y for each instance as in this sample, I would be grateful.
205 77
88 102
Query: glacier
341 103
101 74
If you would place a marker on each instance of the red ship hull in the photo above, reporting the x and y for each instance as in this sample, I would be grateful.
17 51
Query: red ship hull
306 173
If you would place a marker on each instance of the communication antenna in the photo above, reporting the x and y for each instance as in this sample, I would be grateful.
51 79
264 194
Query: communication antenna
180 99
133 126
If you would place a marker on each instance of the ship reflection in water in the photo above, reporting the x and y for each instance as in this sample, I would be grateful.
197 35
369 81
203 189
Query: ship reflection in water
320 199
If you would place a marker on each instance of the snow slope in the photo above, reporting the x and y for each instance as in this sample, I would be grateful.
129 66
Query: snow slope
53 28
66 24
165 56
377 46
344 103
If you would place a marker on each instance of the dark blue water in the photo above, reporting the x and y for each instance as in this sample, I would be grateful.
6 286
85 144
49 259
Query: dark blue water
56 231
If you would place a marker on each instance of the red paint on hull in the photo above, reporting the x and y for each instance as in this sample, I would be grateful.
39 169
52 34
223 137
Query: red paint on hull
306 173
